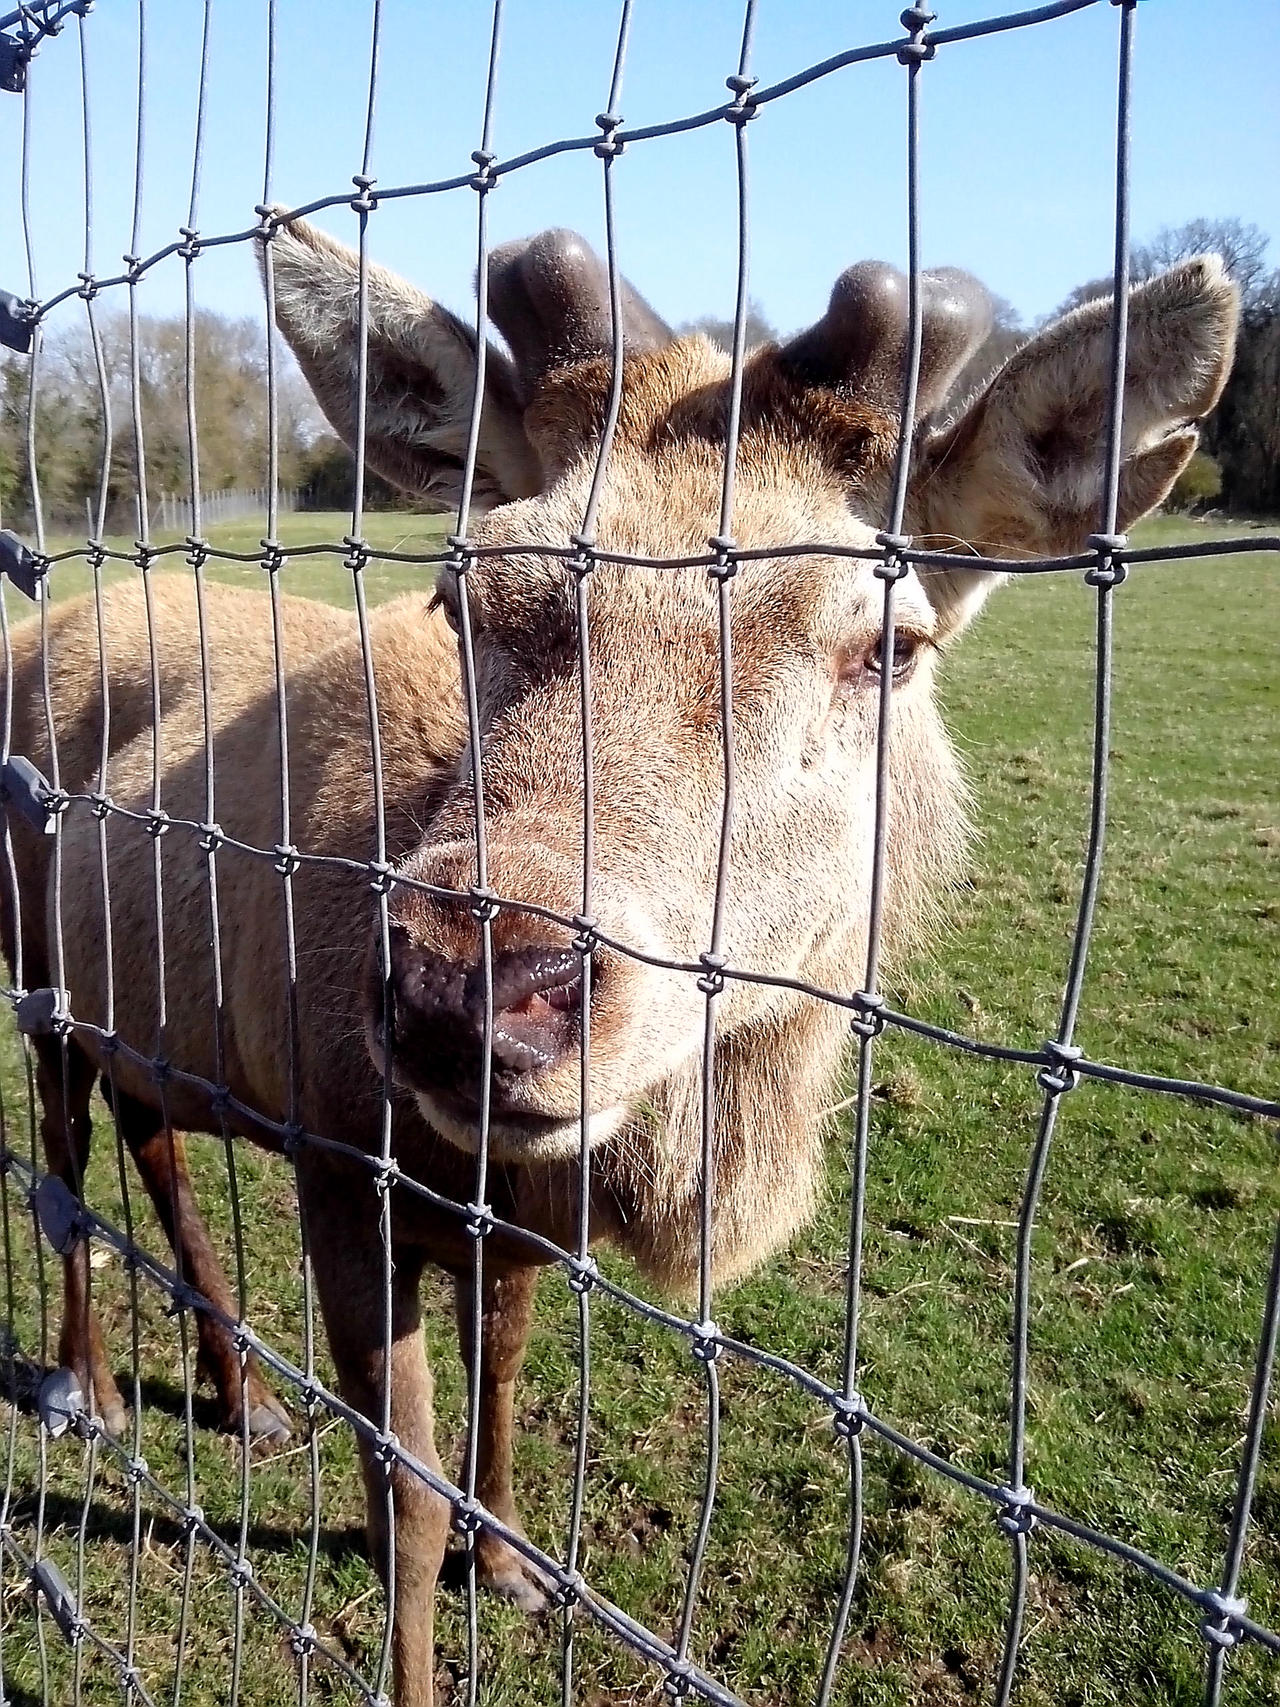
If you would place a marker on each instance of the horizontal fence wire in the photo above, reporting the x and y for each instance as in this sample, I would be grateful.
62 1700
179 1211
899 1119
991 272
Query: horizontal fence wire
398 1460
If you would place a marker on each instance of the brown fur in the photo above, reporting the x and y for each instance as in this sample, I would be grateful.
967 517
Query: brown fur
812 465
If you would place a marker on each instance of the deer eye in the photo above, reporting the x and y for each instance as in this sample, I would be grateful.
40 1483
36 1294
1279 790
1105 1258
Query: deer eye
906 648
445 598
860 666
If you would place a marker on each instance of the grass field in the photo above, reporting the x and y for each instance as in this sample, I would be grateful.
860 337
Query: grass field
312 577
1150 1260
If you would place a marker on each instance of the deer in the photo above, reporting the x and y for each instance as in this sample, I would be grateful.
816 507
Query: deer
66 739
1014 470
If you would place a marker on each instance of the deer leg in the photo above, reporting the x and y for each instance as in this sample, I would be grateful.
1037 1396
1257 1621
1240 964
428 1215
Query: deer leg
64 1079
507 1314
161 1159
346 1254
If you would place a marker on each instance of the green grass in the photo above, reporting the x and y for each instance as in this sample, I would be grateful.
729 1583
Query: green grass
1150 1259
320 577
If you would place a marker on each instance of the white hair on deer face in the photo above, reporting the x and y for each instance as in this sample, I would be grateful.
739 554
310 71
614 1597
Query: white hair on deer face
805 632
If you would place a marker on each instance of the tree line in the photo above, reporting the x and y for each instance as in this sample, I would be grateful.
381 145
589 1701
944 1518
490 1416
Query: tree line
1238 468
77 433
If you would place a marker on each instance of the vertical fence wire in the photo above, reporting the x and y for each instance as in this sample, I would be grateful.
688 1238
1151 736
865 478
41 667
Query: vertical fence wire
363 204
90 1478
482 905
583 565
104 869
704 1344
8 1116
1017 1519
867 1024
210 839
37 509
1221 1634
274 561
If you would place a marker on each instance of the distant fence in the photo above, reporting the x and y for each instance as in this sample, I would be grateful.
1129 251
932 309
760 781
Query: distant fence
175 514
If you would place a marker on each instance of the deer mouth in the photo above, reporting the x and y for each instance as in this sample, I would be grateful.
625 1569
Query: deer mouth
515 1133
431 1035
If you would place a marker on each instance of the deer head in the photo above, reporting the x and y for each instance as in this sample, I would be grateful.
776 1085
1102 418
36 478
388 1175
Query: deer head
1016 469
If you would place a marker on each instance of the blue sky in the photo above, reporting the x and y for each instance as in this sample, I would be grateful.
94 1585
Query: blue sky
1018 133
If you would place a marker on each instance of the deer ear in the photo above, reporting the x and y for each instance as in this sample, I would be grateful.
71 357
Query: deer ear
421 373
1019 473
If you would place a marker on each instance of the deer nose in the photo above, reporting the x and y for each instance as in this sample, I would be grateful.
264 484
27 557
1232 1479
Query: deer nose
438 1012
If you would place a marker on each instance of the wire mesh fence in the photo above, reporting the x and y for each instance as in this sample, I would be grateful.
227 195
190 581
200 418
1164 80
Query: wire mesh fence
78 834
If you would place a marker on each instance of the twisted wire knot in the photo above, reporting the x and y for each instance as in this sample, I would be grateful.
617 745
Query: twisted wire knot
869 1020
569 1591
381 876
386 1448
484 179
467 1520
587 939
608 147
711 982
485 903
743 109
1060 1077
1015 1516
849 1416
678 1683
1107 572
386 1171
480 1221
726 565
704 1341
366 201
1225 1612
916 19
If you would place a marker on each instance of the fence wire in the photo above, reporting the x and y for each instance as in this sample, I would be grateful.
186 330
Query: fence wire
51 1200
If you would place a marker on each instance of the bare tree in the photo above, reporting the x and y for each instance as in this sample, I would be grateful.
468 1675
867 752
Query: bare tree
1007 332
1244 432
759 329
1243 247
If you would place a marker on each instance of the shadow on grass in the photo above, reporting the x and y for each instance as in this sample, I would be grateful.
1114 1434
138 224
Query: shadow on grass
16 1696
20 1380
108 1522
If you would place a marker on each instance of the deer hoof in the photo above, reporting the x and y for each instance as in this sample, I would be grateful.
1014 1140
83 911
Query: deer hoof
504 1571
269 1427
114 1417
